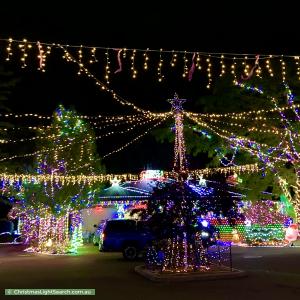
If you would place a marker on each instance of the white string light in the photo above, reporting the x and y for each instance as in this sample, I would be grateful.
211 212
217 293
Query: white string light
124 146
173 59
198 61
185 67
223 67
133 69
209 65
9 49
93 58
159 67
146 60
118 98
134 140
107 67
70 143
297 66
23 47
203 53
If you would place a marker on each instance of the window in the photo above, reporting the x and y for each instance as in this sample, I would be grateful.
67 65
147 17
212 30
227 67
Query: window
120 226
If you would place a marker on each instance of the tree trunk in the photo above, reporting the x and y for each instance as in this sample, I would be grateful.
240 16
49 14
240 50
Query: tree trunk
296 200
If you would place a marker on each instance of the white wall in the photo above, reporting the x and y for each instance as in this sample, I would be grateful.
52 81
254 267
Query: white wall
91 216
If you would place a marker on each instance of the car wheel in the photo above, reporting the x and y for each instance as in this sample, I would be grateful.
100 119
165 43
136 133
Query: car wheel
130 252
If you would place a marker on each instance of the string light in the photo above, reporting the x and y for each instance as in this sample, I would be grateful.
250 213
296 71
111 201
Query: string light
198 62
41 57
119 99
215 54
241 142
146 59
272 130
250 168
134 140
22 128
93 58
23 47
102 117
185 67
80 60
258 71
233 70
173 59
107 67
133 70
53 136
290 100
283 69
7 141
9 49
26 115
159 67
10 179
125 145
223 67
297 65
246 66
124 52
244 115
209 72
268 66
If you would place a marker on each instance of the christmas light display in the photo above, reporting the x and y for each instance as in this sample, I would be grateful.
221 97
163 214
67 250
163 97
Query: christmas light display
286 148
57 171
180 163
174 207
239 64
277 123
267 224
46 208
181 245
256 235
44 232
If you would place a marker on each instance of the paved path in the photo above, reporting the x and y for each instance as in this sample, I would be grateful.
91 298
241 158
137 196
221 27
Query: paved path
274 273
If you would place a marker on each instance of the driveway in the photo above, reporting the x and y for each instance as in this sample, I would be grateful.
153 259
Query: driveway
274 273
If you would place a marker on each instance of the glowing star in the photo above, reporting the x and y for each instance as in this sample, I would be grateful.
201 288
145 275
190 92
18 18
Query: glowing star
115 182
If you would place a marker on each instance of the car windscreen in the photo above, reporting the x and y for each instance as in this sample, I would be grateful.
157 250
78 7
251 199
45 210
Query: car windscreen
120 226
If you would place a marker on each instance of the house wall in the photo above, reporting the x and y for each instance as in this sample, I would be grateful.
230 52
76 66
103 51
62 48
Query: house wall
95 215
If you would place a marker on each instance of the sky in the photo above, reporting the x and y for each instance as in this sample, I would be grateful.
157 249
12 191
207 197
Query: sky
244 28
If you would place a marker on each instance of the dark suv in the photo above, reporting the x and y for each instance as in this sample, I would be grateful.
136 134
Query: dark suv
127 236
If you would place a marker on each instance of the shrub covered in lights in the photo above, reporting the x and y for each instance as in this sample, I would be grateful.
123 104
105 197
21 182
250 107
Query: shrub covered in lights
257 235
265 224
264 213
